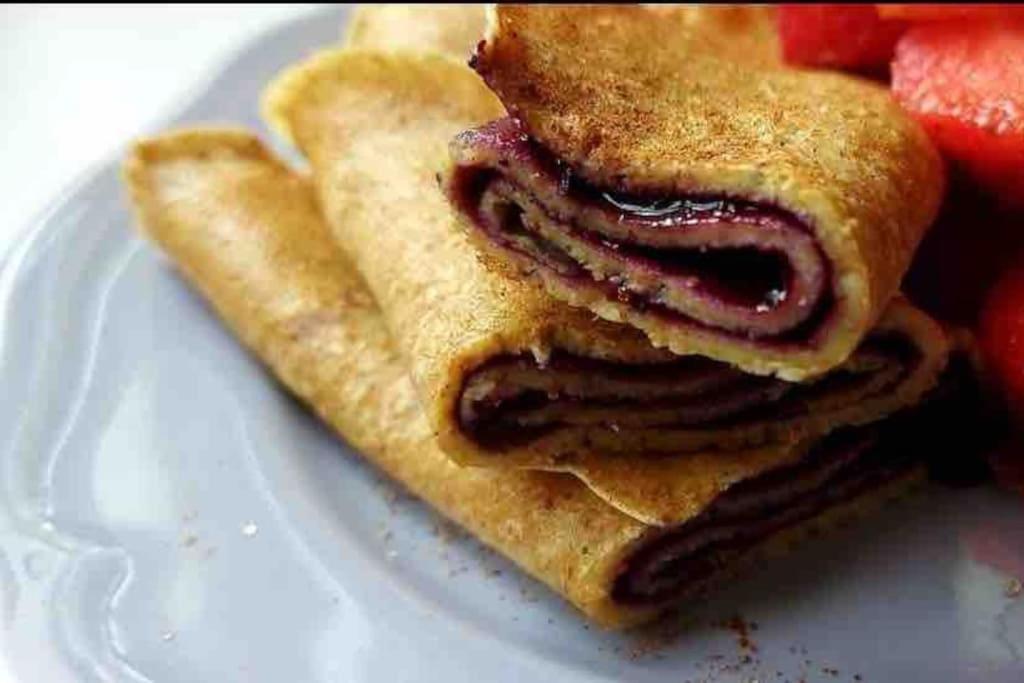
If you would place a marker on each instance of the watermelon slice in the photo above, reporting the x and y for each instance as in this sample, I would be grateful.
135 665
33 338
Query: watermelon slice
964 81
842 36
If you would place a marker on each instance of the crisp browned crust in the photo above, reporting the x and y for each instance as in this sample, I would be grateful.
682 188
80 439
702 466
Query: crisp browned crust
601 89
247 234
452 30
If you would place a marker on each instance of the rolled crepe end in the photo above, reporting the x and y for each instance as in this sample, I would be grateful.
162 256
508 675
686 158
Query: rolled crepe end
291 296
834 152
852 318
490 21
613 614
289 87
204 146
195 144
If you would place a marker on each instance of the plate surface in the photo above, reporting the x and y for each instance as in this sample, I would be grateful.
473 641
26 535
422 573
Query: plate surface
167 513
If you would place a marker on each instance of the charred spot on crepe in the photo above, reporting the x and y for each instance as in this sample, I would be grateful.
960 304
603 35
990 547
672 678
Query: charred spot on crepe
513 399
746 269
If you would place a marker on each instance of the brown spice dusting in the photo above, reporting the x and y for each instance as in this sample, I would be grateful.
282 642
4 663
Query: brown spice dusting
1013 588
742 629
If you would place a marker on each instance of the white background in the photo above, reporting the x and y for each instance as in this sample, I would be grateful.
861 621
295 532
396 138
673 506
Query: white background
78 82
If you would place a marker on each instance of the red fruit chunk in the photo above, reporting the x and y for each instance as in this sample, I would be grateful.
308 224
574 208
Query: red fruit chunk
845 36
965 83
1001 336
939 12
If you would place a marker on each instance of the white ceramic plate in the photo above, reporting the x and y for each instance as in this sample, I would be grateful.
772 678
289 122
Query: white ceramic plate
168 514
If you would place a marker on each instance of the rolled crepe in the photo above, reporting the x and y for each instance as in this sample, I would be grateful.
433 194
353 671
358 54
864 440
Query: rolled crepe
452 30
248 235
508 376
654 174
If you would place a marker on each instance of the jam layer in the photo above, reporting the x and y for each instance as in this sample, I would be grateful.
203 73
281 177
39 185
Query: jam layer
744 268
511 400
950 431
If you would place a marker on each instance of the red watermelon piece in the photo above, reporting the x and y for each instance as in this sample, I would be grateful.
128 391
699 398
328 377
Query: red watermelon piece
964 81
842 36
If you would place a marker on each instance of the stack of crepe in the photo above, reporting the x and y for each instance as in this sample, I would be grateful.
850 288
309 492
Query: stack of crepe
626 307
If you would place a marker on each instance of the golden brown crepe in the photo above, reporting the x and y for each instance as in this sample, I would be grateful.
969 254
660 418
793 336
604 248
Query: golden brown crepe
675 178
248 235
507 376
452 30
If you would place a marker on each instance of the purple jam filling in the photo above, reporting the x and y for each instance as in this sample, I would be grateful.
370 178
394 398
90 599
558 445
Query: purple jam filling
856 461
952 413
711 394
757 277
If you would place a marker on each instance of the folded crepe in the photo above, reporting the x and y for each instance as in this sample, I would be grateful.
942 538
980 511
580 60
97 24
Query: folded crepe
671 177
248 234
509 377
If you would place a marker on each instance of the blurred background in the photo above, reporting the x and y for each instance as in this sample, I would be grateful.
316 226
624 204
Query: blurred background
77 82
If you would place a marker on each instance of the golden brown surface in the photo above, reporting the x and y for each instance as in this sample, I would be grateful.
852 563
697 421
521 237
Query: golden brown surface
452 30
711 114
375 128
247 234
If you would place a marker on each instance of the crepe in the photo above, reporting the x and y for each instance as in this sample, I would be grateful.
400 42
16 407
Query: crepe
455 30
672 178
452 30
248 235
509 377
